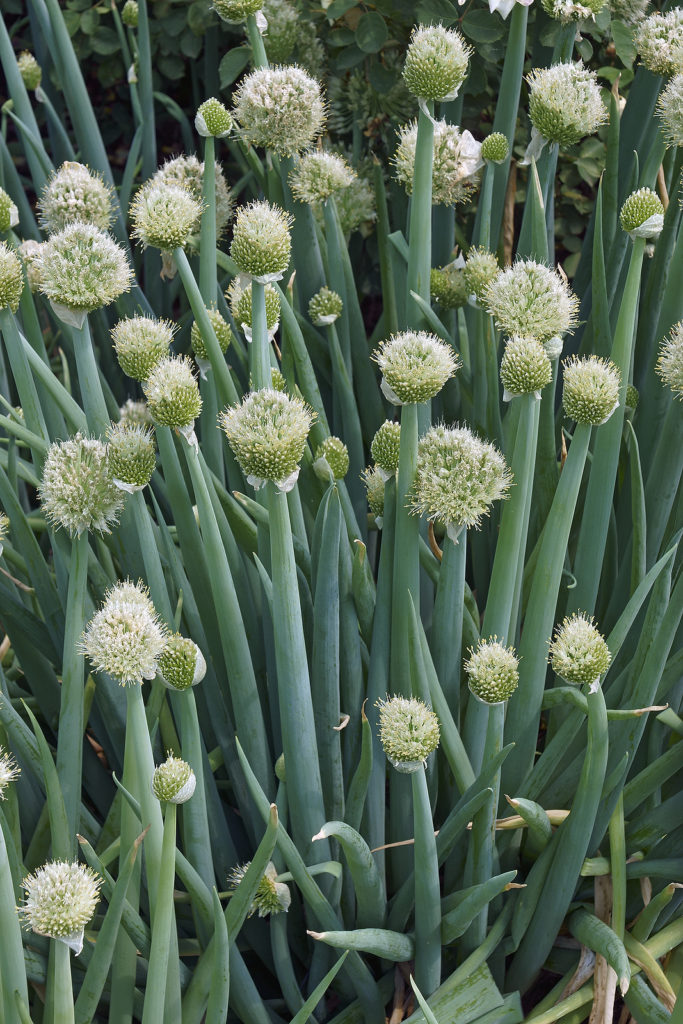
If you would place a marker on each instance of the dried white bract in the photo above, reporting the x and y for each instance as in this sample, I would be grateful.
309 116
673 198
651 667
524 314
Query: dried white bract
279 108
125 637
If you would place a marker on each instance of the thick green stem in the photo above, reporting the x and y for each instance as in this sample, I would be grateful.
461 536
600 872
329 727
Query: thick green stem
447 622
259 350
63 1001
89 380
149 146
162 925
406 577
207 236
420 232
427 892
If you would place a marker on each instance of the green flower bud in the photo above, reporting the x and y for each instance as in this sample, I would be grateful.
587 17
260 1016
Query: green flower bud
415 366
632 397
77 491
531 301
221 329
272 897
132 456
163 216
565 103
280 771
30 70
334 454
491 670
436 63
9 215
283 30
280 109
173 395
525 368
140 343
9 770
11 278
325 307
670 362
173 782
239 297
480 270
409 732
447 286
495 148
267 433
212 118
670 110
261 242
318 175
60 900
642 215
578 652
374 478
278 382
236 11
181 663
129 14
458 478
74 193
591 389
659 44
385 447
125 637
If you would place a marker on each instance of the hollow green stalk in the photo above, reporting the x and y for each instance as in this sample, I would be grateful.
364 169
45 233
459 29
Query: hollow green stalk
258 50
62 993
420 228
163 923
207 234
406 570
427 891
259 350
89 380
447 619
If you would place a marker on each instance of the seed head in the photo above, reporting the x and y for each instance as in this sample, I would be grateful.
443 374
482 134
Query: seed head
141 342
631 12
267 433
164 216
60 900
11 278
525 368
125 637
670 362
172 393
132 456
29 69
436 63
173 782
261 242
458 477
9 769
335 455
325 307
659 42
578 652
9 215
188 172
565 103
129 14
495 148
78 490
447 286
591 389
74 193
280 109
409 732
239 297
531 301
642 215
212 118
374 478
569 10
283 30
221 329
82 269
356 207
135 414
670 110
456 159
480 270
236 11
272 897
415 366
318 175
30 253
181 664
386 446
492 674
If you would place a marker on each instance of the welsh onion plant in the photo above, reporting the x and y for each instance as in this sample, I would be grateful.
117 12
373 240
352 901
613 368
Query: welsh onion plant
340 587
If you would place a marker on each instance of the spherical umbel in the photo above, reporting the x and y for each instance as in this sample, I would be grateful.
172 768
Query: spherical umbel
173 782
318 175
132 456
163 216
579 653
659 43
525 368
74 193
325 307
140 342
187 172
436 63
221 329
642 215
570 10
82 269
447 286
480 270
591 389
670 110
181 664
9 215
239 297
261 242
29 69
409 732
386 446
172 393
77 491
285 29
125 637
531 301
11 278
213 119
236 11
491 669
374 478
60 900
280 109
272 897
129 14
415 366
565 103
267 433
458 478
331 456
457 157
495 148
670 362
